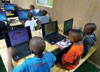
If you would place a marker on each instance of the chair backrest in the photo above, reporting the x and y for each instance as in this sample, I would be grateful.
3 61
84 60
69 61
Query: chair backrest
3 27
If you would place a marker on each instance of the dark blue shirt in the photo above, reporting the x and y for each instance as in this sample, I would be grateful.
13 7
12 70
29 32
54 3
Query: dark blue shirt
87 44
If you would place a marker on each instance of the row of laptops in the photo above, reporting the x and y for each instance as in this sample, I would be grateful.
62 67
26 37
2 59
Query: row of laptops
19 39
22 15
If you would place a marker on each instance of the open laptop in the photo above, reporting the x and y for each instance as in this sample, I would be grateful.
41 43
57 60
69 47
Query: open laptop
50 32
9 7
3 16
22 15
19 39
68 26
36 13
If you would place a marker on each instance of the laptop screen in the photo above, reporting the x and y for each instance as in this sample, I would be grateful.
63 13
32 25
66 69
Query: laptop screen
3 16
9 7
18 36
37 12
23 14
49 28
68 25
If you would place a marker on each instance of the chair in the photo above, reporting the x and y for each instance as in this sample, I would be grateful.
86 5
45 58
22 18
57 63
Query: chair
3 27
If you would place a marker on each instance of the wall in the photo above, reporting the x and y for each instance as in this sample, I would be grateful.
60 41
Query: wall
26 3
82 11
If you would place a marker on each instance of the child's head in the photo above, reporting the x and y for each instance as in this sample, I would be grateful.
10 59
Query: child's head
37 46
32 7
89 28
75 35
43 12
30 15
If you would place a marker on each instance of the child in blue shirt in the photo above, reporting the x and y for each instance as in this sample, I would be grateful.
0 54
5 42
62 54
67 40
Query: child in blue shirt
44 18
41 62
89 37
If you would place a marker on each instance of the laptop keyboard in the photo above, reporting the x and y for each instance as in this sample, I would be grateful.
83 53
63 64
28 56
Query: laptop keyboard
21 51
55 38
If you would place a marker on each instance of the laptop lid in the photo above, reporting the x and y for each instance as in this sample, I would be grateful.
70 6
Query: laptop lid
22 15
68 25
16 37
49 28
37 12
3 16
9 7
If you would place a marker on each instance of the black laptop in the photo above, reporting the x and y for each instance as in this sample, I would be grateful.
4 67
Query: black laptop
19 39
68 26
50 32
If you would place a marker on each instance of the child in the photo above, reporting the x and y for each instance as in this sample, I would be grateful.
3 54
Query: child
16 9
32 7
89 37
30 22
41 62
71 59
44 18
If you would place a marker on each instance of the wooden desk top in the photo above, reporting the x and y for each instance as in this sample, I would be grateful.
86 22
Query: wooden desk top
9 14
14 24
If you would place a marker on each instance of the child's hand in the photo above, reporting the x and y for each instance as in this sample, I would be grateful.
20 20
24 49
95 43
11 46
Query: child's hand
10 51
59 65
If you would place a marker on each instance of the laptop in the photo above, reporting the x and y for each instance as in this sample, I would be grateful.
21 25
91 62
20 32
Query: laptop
36 13
50 32
9 7
3 16
22 15
19 39
68 26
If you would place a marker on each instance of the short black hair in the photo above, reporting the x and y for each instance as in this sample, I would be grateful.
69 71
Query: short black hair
44 11
91 26
77 35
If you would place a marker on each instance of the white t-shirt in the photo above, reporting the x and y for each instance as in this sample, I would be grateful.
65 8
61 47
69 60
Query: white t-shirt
31 23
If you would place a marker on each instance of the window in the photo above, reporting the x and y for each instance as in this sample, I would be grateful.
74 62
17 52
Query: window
47 3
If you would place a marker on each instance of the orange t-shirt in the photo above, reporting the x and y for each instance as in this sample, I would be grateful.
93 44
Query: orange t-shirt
72 55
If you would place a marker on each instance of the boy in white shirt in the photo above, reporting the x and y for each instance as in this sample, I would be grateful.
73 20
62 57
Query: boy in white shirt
30 22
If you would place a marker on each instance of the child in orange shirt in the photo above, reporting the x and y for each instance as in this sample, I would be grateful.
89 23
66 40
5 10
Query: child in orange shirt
71 59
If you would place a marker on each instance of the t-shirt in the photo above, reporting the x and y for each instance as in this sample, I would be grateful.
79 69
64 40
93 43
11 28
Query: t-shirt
74 52
31 23
36 64
87 44
44 19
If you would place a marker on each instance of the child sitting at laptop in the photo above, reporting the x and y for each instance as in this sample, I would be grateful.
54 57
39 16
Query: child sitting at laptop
30 22
44 18
71 59
41 62
89 37
32 7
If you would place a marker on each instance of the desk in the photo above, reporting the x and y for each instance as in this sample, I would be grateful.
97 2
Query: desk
14 24
9 14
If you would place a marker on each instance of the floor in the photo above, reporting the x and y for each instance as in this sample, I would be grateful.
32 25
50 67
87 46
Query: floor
86 67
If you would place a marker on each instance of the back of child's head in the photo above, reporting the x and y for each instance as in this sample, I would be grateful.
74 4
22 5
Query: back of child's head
44 12
37 46
30 15
32 7
89 28
76 35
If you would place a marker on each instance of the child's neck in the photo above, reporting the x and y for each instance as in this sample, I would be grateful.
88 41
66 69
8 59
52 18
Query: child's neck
77 43
29 19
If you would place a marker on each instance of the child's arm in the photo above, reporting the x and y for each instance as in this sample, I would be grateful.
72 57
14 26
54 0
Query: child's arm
10 65
63 65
